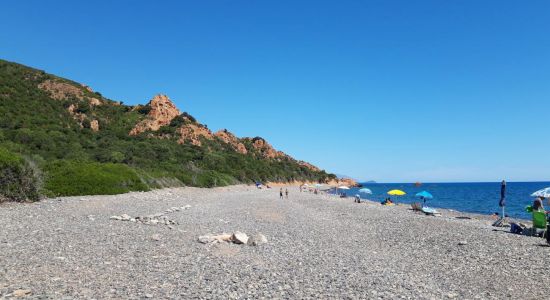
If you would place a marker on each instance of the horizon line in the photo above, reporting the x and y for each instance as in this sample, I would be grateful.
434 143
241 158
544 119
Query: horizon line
431 182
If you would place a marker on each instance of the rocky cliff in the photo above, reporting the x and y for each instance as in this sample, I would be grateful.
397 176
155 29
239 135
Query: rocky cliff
264 149
193 133
229 138
161 112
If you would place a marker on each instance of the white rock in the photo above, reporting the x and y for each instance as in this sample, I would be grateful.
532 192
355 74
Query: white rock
118 218
21 293
239 238
125 217
257 239
206 239
452 295
154 221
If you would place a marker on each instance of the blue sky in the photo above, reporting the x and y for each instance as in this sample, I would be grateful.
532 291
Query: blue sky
395 91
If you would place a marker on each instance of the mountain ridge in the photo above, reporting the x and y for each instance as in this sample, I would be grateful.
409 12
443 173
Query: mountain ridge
58 123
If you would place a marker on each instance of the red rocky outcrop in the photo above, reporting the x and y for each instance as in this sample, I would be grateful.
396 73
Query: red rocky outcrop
161 113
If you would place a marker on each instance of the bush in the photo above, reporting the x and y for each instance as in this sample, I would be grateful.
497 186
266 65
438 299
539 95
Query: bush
212 179
71 178
178 121
144 109
19 180
188 116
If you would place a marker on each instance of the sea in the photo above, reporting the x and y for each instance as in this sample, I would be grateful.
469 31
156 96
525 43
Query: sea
476 197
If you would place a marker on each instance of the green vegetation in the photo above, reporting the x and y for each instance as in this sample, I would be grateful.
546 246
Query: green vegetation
19 181
73 178
76 160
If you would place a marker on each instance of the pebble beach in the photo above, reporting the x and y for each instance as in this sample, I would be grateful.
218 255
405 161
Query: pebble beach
147 245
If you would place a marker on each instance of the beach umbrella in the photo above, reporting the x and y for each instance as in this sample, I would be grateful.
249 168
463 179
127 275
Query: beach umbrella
502 201
343 187
424 195
396 193
365 191
545 193
502 204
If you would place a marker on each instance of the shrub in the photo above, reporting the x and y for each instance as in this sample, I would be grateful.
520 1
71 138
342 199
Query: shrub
188 116
71 178
212 179
19 179
177 121
144 109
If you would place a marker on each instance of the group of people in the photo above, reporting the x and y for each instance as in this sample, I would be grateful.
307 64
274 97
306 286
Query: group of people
540 223
387 201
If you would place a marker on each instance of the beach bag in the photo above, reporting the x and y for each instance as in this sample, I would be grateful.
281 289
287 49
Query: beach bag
515 228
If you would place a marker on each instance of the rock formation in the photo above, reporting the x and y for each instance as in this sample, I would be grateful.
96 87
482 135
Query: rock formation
94 125
344 181
161 113
62 91
81 117
265 149
229 138
192 133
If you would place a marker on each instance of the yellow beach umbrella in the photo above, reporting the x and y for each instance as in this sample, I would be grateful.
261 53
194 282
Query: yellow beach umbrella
396 193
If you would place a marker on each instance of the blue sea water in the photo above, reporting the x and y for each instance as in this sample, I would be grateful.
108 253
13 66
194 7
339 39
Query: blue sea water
479 197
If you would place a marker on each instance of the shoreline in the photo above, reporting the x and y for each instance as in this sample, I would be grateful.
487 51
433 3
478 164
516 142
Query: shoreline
450 211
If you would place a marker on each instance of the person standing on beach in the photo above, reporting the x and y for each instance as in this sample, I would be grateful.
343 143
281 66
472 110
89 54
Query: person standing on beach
281 193
286 193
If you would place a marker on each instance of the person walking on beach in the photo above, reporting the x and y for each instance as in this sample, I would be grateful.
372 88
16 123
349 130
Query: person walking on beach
286 193
281 193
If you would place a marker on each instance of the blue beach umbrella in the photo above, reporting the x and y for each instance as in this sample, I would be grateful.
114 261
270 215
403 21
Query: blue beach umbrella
365 191
424 195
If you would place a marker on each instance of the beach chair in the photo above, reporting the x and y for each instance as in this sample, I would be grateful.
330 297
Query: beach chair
539 223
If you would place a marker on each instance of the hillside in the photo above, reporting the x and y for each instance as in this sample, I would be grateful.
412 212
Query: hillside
72 141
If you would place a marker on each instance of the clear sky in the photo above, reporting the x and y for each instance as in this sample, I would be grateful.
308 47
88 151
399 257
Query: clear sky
395 91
